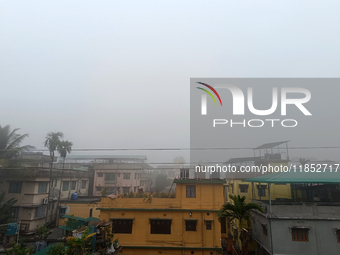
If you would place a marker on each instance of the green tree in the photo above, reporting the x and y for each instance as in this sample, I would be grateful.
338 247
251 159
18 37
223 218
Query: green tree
161 182
238 210
5 207
303 161
18 249
63 147
10 145
52 141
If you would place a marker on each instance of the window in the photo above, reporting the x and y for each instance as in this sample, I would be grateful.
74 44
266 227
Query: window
110 177
99 188
126 189
135 176
15 187
190 225
223 226
83 184
191 191
243 188
62 212
24 227
42 187
40 212
160 226
338 235
300 234
208 225
264 230
134 189
73 185
55 183
122 226
261 190
100 174
65 186
126 176
15 212
111 190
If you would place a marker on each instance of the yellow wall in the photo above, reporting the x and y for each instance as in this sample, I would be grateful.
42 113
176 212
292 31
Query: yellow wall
276 191
209 199
81 210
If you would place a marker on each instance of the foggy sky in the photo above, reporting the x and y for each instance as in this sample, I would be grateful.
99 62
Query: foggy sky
116 74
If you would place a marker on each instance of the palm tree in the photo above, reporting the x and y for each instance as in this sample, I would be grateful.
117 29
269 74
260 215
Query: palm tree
63 148
10 142
52 141
239 210
5 207
303 161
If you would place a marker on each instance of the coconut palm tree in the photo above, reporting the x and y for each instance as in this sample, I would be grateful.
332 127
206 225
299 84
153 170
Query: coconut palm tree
51 143
303 161
63 148
238 209
10 144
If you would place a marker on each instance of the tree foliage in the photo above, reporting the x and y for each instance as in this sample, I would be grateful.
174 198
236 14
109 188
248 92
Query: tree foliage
5 207
161 182
10 144
18 249
239 209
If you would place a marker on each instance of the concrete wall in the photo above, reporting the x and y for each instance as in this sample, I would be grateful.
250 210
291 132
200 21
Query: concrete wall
320 219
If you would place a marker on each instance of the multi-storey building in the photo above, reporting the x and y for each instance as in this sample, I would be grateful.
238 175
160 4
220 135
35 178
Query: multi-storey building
306 223
186 224
30 187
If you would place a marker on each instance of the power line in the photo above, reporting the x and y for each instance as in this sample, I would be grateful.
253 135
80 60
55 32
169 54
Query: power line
191 149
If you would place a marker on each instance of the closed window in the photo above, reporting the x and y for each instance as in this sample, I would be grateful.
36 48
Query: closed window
40 212
110 177
111 190
99 188
42 187
191 191
122 226
15 212
126 189
300 234
100 174
208 225
83 184
243 188
126 176
62 212
160 226
135 176
65 186
73 185
261 190
190 225
15 187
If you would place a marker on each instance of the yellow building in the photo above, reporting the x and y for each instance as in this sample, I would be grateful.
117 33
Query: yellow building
83 207
187 224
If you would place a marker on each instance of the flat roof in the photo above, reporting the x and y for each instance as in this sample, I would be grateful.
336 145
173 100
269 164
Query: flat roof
142 157
326 177
201 181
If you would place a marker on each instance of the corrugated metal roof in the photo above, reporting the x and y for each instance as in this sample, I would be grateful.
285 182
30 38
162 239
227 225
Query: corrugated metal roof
270 145
299 177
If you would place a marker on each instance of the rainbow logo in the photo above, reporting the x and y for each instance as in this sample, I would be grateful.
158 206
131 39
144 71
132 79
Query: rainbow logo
212 89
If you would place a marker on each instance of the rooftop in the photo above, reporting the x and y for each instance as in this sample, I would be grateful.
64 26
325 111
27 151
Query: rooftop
201 181
330 177
270 145
141 157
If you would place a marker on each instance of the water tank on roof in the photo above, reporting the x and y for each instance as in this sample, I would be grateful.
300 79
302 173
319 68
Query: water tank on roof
74 196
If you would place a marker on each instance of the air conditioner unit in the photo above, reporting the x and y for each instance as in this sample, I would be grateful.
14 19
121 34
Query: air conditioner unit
45 201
